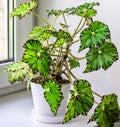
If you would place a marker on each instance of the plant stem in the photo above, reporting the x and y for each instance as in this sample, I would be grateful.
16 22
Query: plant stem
65 22
77 27
96 102
54 22
81 27
74 42
76 58
69 71
69 77
96 94
55 55
41 18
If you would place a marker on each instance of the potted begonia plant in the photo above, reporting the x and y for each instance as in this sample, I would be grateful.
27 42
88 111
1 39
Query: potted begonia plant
48 62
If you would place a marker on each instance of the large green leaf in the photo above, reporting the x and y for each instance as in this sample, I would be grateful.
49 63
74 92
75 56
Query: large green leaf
53 95
94 35
73 63
101 57
81 100
23 9
17 71
107 112
86 10
37 57
62 37
41 33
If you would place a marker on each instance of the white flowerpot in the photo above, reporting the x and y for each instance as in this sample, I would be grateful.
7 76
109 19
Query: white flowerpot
42 111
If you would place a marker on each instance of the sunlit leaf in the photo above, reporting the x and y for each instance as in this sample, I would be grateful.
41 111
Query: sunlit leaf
94 35
62 37
23 9
17 71
41 33
86 10
81 100
53 95
107 112
101 57
60 12
37 57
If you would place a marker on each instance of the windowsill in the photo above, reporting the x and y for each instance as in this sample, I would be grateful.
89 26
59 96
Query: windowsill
12 88
16 111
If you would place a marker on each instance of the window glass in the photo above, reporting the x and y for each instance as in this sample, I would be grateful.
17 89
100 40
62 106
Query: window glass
6 32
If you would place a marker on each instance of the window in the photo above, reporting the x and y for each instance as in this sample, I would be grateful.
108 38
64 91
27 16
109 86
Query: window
6 32
12 37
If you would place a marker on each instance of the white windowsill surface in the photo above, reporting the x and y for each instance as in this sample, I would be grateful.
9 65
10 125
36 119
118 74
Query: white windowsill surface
16 111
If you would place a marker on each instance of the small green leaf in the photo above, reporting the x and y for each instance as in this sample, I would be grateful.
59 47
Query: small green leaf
53 95
55 12
81 100
94 35
86 10
17 71
41 33
60 12
107 112
62 37
23 9
101 57
73 63
37 57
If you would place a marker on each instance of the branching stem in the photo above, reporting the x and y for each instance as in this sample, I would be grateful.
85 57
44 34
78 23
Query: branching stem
77 28
81 27
41 18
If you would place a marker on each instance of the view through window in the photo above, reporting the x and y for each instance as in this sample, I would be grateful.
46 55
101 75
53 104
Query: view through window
6 31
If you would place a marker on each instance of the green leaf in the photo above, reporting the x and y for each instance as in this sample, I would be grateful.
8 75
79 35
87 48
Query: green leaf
73 63
41 33
101 57
60 12
86 10
37 57
94 35
17 71
81 100
55 12
53 95
107 112
23 9
62 37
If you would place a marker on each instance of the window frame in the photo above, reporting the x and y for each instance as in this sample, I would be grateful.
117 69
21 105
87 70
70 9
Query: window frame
20 35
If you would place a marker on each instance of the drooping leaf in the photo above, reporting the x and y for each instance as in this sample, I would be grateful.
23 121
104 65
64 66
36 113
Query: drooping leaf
62 37
94 35
53 95
107 112
17 71
81 100
101 57
86 10
41 33
73 63
37 57
23 9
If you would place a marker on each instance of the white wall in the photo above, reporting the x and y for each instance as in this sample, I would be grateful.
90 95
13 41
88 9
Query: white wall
103 82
